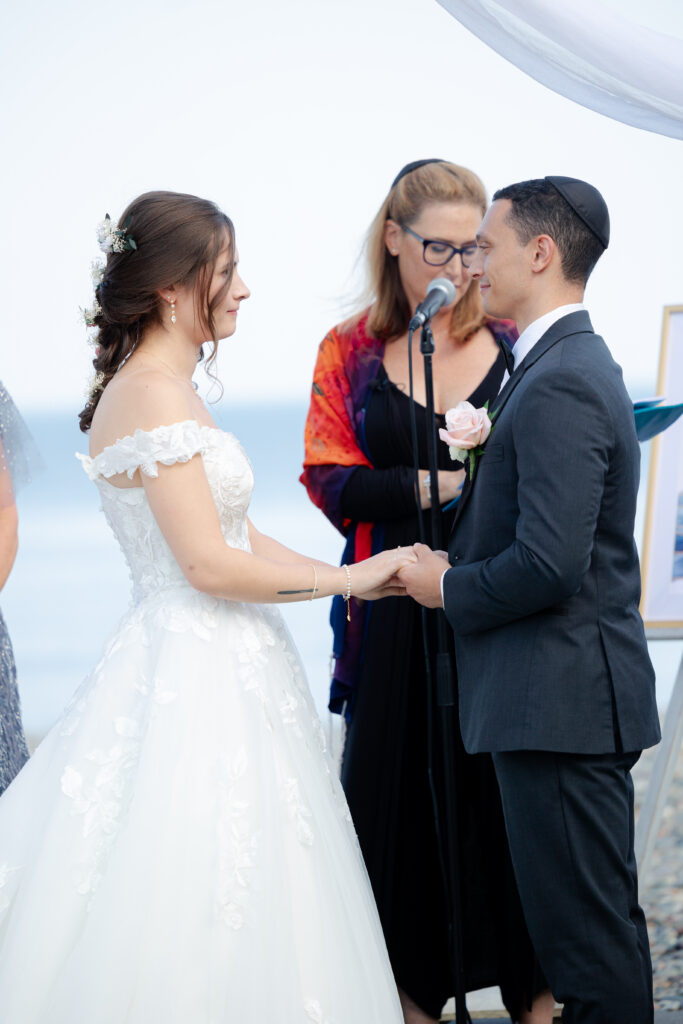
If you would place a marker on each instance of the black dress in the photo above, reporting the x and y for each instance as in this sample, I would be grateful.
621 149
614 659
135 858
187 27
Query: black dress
386 756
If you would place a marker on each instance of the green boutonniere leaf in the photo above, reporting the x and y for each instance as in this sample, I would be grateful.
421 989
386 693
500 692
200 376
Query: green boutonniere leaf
472 460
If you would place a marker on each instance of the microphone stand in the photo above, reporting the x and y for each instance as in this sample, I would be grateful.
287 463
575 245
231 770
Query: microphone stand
445 700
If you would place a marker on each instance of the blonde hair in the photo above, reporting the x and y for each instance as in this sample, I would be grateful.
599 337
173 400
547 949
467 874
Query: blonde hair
389 313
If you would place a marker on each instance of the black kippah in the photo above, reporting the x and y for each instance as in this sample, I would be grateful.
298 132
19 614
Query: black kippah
413 167
586 202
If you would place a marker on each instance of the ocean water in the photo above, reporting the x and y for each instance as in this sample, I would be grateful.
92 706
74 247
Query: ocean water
70 586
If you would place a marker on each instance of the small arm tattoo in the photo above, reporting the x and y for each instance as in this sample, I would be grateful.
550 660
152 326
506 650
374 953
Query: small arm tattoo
309 591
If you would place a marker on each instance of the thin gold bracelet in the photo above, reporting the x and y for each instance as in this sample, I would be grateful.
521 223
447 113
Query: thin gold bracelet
315 581
347 595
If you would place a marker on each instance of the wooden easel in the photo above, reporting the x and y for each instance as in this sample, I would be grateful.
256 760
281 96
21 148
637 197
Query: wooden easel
657 793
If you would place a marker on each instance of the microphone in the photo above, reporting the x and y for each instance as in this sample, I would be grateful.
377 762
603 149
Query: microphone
440 292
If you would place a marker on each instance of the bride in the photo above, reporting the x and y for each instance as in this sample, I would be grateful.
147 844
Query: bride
178 849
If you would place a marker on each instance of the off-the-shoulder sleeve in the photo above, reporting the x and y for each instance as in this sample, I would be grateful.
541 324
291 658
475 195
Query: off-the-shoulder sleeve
145 449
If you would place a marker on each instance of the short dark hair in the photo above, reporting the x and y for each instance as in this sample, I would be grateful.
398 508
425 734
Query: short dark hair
539 209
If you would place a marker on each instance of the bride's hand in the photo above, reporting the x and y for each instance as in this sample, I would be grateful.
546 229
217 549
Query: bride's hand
374 577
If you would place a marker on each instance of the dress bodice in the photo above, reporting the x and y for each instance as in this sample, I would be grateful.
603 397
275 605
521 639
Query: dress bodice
150 561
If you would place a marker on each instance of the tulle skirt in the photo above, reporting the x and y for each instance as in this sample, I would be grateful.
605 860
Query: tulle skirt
179 849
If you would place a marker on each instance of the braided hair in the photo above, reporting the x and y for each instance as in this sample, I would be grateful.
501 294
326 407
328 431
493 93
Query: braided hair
177 241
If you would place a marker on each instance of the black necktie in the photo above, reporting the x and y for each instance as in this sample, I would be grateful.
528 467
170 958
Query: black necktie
507 355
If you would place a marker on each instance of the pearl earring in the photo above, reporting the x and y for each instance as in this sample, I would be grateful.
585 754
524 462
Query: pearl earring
173 316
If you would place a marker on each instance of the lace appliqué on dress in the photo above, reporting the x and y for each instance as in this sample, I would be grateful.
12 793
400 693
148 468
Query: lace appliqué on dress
151 563
100 792
143 450
298 812
237 845
315 1013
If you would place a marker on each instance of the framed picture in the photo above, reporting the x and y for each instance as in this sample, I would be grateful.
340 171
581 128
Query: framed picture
662 567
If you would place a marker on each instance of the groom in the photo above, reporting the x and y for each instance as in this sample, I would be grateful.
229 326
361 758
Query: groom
542 594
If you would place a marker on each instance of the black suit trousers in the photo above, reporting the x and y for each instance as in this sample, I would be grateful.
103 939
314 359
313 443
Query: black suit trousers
569 820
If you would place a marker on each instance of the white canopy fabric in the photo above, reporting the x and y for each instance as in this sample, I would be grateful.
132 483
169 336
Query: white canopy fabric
589 52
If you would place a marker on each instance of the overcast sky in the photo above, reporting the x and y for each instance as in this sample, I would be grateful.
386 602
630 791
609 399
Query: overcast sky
294 117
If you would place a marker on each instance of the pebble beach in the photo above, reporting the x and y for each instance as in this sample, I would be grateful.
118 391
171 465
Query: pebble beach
661 891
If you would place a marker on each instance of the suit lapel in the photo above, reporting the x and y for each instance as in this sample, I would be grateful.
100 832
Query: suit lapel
573 323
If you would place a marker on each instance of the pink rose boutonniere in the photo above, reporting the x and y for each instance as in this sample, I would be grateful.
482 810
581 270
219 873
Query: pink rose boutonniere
467 429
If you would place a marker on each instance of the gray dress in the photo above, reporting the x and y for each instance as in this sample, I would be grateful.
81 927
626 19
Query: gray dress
13 749
18 457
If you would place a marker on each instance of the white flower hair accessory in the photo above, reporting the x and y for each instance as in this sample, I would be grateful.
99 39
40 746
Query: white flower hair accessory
97 272
91 313
94 385
113 239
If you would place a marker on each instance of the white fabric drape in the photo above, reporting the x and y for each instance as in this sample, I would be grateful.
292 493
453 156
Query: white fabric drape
587 51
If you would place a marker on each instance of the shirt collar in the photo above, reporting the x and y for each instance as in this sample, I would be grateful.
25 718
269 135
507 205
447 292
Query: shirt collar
535 331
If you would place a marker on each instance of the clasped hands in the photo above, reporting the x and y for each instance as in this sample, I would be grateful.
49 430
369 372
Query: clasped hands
415 571
421 579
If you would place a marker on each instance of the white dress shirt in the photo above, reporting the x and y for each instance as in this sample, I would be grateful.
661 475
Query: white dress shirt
535 331
524 344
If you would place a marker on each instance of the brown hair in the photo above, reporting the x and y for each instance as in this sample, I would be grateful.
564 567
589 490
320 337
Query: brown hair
178 239
438 182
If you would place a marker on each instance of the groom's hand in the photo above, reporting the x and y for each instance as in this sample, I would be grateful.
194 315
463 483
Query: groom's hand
422 580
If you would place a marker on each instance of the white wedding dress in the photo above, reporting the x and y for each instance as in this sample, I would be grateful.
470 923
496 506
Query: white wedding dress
178 850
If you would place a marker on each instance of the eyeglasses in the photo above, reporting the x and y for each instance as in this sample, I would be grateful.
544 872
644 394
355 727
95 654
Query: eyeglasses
437 254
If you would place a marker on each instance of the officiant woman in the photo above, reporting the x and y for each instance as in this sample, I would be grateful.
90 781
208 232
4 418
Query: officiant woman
358 470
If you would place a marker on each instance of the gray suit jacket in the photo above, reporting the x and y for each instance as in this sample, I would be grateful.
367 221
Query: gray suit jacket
544 587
